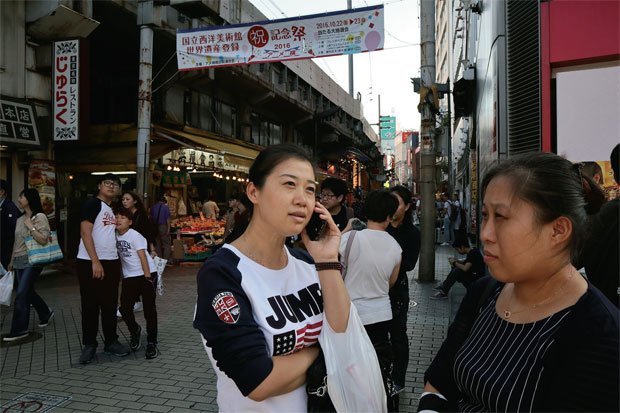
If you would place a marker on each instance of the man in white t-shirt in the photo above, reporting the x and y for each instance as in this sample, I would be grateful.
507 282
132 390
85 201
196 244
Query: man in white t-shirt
99 271
139 280
372 267
210 209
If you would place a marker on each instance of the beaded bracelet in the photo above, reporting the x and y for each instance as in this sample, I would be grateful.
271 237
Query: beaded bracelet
322 266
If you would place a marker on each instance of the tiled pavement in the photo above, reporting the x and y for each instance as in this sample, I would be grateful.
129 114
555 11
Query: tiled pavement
181 378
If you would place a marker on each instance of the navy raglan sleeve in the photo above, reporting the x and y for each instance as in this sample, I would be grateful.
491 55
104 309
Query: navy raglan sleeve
90 210
224 318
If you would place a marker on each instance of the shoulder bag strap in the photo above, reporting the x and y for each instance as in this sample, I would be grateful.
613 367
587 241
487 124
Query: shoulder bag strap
347 250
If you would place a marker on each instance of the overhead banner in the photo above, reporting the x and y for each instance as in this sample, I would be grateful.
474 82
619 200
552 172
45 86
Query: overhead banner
318 35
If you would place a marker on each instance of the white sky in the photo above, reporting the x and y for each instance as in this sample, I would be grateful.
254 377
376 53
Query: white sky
386 72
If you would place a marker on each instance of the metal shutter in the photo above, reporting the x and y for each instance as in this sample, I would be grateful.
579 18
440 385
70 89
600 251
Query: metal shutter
523 76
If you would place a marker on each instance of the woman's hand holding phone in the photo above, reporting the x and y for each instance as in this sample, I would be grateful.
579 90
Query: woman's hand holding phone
325 248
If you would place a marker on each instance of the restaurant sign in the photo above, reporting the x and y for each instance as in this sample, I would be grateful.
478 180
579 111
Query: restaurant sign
66 90
318 35
18 123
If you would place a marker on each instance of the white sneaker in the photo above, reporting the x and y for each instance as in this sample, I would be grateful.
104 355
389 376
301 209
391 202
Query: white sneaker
137 306
118 314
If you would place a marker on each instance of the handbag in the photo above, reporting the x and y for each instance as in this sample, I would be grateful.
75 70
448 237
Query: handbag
43 254
6 288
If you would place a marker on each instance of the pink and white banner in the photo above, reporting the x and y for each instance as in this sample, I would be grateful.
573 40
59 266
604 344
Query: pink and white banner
319 35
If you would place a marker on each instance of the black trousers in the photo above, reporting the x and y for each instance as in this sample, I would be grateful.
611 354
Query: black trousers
399 340
133 288
455 275
99 296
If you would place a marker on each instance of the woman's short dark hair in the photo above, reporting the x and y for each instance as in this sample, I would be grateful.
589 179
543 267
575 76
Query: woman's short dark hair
380 205
406 196
34 200
555 187
269 158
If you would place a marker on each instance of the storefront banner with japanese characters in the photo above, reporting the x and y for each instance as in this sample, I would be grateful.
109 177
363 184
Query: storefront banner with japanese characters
18 123
319 35
66 90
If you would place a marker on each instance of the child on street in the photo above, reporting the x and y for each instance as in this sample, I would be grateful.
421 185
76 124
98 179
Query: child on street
139 280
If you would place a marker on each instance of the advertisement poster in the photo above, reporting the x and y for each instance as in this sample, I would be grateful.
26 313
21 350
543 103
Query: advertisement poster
319 35
42 177
66 92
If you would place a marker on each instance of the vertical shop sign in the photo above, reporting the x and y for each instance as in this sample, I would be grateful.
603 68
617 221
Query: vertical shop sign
66 90
42 177
473 161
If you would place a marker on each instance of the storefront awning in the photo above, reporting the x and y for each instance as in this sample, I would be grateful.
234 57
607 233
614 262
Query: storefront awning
234 150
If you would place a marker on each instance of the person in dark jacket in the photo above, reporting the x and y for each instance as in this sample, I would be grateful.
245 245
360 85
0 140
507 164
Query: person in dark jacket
408 237
542 338
8 217
600 255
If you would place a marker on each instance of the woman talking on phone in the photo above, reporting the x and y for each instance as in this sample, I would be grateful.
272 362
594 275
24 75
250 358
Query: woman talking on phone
260 305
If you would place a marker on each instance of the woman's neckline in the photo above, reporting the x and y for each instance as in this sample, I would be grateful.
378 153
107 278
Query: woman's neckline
239 252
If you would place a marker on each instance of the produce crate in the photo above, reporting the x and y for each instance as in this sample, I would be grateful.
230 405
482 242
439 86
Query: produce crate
197 257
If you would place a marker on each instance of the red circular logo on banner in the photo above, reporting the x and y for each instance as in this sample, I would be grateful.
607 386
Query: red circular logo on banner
258 36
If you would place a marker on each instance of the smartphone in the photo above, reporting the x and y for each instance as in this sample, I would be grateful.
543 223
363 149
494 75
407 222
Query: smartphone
315 226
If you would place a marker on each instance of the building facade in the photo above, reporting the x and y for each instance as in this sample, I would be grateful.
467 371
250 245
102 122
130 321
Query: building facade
211 123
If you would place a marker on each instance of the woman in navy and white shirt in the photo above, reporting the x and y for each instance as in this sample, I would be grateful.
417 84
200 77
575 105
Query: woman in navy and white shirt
261 305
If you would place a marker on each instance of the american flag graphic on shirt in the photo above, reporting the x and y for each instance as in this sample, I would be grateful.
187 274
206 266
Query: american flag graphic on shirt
294 340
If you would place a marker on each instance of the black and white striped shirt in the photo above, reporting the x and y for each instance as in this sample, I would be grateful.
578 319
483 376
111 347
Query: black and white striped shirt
499 366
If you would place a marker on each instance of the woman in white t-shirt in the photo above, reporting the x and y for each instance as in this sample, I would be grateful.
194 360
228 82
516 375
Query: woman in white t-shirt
372 268
260 305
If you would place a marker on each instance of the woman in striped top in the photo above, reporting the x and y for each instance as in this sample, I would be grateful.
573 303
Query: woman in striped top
537 336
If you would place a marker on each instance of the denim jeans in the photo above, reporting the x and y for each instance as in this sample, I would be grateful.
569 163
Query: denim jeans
26 295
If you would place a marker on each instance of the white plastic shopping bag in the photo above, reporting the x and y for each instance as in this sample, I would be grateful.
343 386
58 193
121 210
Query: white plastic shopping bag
6 288
354 380
160 266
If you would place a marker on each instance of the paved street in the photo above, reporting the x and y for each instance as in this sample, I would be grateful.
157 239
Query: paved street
181 378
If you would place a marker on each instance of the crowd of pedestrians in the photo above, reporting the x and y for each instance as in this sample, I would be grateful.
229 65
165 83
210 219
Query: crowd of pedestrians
537 335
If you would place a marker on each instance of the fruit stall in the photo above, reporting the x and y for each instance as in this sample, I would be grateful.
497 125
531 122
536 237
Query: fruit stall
195 237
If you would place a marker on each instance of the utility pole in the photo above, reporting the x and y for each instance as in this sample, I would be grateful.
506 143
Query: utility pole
146 16
427 136
349 6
